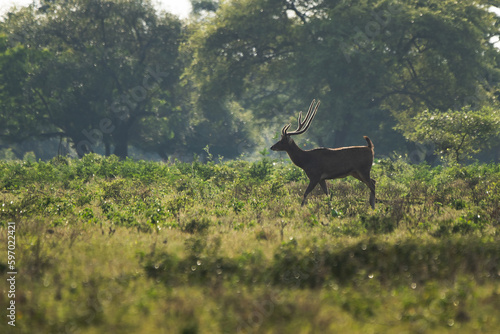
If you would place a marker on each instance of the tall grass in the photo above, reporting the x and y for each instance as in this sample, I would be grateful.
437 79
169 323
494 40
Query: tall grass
143 247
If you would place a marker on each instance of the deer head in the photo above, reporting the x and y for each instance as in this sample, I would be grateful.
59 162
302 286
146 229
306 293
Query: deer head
286 142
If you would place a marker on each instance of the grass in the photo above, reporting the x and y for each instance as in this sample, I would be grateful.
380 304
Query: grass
104 245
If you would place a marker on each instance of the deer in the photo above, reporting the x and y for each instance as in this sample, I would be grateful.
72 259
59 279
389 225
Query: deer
321 164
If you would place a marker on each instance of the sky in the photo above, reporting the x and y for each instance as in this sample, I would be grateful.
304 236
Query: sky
177 7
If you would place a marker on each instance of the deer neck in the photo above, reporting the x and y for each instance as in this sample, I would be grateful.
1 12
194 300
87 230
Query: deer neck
296 154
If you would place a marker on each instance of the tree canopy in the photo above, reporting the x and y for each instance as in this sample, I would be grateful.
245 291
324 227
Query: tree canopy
456 134
103 70
109 75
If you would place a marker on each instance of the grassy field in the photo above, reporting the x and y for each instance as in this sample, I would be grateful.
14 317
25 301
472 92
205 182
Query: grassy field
109 246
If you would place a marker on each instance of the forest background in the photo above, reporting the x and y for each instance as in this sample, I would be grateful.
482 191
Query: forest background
120 77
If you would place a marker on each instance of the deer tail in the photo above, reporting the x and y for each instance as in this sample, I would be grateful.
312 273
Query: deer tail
370 144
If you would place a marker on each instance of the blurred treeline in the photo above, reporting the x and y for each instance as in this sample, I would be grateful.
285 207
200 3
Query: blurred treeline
118 77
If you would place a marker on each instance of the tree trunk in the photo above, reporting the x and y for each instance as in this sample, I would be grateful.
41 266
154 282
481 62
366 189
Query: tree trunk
107 147
341 134
120 139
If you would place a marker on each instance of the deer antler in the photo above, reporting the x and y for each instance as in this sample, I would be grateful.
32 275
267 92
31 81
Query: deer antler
302 125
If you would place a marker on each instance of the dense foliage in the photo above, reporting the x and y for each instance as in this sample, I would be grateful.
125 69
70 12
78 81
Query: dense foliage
117 76
456 135
133 246
97 73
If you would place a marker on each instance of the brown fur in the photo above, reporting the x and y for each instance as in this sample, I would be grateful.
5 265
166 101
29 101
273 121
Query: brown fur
322 164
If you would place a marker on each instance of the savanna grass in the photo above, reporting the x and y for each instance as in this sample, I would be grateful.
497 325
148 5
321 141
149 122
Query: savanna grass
104 245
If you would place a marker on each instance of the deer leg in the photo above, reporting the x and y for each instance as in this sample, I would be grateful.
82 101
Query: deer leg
309 188
365 178
322 183
371 184
372 193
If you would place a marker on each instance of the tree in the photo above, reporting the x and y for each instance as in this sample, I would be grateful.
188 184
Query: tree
372 63
19 119
457 135
117 73
110 73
